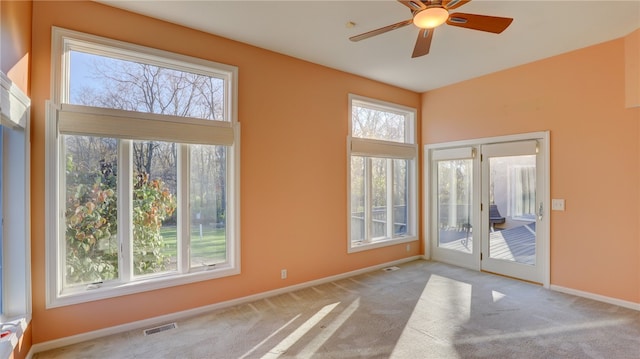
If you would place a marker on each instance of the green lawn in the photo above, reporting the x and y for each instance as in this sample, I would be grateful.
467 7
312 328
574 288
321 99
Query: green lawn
211 247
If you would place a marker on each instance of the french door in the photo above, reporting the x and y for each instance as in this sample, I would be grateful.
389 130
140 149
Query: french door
455 196
511 208
487 206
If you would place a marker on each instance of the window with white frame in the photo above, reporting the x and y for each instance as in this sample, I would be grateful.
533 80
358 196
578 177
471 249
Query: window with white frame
382 178
2 186
143 169
15 264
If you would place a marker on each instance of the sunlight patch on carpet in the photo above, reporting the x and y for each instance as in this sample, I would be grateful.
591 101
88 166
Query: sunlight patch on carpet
290 340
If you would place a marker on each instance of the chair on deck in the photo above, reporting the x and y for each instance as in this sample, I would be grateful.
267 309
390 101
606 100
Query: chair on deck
494 216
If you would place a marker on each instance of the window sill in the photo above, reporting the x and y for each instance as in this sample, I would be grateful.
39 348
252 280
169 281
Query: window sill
140 286
364 246
9 342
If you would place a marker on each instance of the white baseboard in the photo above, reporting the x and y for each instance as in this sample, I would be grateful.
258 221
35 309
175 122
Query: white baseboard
598 297
58 343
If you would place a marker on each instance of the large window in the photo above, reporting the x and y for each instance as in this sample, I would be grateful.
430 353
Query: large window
382 180
143 169
15 264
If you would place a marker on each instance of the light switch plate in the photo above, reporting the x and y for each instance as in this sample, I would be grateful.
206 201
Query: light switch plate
557 204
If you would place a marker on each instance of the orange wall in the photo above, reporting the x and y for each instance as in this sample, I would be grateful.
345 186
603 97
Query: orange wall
580 98
294 125
15 41
632 68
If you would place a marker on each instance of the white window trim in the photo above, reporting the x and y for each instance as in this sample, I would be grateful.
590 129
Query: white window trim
14 115
385 149
57 110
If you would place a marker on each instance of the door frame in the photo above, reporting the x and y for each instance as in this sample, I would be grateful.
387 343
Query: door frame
544 139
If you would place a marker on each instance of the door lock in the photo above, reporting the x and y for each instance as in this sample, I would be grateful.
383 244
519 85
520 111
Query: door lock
540 212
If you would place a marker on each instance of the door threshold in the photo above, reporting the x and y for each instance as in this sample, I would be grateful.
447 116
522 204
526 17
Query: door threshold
510 277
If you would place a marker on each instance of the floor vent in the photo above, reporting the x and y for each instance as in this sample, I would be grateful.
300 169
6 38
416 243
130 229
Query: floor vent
161 328
390 269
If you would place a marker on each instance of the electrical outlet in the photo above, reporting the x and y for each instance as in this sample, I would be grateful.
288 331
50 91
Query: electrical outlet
408 247
283 274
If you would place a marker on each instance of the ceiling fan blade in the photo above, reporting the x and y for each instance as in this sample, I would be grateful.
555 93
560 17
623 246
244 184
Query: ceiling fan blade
423 43
492 24
381 30
453 4
414 5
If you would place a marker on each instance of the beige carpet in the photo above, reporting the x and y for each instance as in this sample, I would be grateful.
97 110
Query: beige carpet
422 310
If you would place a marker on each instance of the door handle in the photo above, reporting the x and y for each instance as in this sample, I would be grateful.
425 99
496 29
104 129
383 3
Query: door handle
540 212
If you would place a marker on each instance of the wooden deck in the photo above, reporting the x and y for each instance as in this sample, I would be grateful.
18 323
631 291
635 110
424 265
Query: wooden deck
515 244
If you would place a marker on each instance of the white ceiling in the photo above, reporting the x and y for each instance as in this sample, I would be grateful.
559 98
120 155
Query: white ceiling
316 31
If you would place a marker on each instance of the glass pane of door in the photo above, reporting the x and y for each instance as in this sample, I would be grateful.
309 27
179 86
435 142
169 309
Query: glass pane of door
512 197
454 204
512 209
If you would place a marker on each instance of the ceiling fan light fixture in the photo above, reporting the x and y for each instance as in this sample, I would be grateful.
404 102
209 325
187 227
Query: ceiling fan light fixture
431 17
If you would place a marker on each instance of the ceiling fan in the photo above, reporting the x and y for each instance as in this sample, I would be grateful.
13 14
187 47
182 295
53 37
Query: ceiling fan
429 14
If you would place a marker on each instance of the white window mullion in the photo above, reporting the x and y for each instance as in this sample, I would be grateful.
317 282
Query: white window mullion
60 209
184 209
125 209
55 246
411 196
233 198
390 182
368 200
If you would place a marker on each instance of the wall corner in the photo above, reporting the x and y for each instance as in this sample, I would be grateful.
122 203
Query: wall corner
632 69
